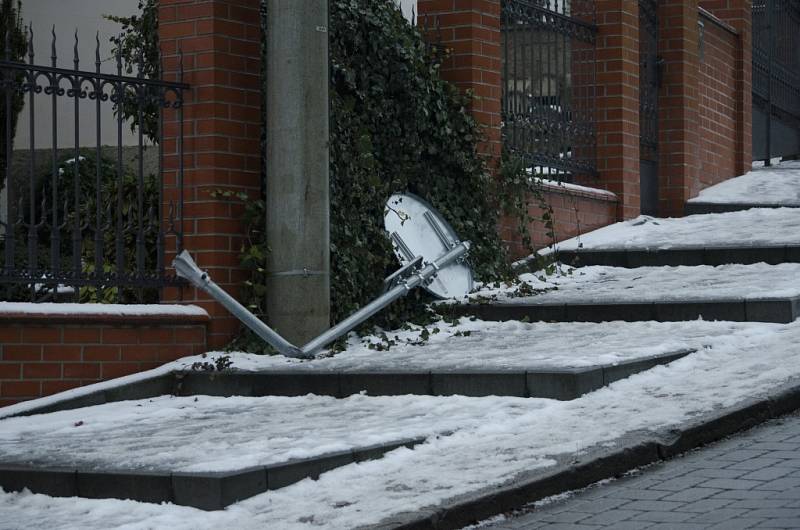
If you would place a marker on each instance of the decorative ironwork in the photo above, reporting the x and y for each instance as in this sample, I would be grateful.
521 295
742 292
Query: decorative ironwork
776 64
548 88
648 79
89 223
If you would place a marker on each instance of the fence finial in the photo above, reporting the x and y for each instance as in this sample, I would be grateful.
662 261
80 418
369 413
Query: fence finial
7 40
139 63
53 46
180 65
76 59
97 51
118 55
30 43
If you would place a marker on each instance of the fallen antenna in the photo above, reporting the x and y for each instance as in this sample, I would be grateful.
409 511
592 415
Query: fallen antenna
429 251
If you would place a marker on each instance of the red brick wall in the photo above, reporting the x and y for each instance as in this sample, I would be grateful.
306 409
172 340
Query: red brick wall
470 29
618 102
220 40
42 354
574 213
717 105
738 13
678 139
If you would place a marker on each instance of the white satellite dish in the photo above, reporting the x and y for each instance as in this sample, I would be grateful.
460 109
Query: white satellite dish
417 230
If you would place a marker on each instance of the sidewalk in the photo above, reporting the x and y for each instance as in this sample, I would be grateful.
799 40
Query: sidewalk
751 480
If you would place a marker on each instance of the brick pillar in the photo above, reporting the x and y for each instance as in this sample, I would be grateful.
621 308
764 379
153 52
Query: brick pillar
220 40
739 14
618 102
471 30
679 148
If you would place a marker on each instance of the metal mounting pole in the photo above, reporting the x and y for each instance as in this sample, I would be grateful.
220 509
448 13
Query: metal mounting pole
298 234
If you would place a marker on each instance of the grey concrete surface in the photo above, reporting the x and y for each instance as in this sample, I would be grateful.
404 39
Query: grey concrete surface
751 480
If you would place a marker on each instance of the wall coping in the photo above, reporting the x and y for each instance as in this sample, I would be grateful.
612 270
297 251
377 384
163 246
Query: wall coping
102 313
575 190
717 21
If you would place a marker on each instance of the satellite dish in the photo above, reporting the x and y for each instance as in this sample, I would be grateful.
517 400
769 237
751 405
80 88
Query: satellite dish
417 230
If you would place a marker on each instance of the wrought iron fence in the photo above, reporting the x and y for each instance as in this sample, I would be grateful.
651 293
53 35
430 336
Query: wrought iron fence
89 227
776 72
548 49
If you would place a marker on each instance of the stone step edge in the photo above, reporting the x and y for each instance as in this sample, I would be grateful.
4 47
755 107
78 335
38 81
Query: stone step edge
688 256
654 447
550 383
563 383
699 207
774 310
203 490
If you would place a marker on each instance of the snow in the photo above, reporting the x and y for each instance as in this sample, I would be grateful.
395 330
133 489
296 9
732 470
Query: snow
26 406
576 187
121 310
476 344
227 434
512 435
761 226
654 284
779 184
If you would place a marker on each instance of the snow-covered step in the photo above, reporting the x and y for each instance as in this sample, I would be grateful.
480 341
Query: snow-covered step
754 293
552 382
764 187
745 237
209 452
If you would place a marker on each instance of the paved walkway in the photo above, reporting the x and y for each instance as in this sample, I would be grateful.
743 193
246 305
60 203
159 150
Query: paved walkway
751 480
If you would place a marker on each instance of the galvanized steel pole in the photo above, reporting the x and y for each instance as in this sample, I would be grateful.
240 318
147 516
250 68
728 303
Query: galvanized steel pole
298 234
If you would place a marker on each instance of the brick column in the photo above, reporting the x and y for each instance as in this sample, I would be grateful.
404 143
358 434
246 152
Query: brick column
679 148
471 30
739 14
220 40
618 102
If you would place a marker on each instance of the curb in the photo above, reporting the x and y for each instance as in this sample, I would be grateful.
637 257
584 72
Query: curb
647 449
552 383
203 490
562 384
698 207
775 310
705 255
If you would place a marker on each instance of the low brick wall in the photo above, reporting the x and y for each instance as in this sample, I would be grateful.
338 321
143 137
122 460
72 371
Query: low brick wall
718 99
42 353
576 210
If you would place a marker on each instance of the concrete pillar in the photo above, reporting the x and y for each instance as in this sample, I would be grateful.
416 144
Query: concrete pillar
220 40
298 265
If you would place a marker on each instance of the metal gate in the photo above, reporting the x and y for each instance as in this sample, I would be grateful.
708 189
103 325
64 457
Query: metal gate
85 224
648 105
776 78
548 107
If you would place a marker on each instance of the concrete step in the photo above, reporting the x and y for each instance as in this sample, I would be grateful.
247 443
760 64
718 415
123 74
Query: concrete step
705 255
553 383
779 310
204 490
697 207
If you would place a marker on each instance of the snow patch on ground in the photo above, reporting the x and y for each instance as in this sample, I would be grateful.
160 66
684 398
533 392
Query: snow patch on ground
504 346
122 310
651 284
576 187
758 226
512 435
779 184
208 433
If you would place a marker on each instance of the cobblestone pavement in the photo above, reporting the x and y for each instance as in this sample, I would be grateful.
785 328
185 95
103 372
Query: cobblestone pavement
751 480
